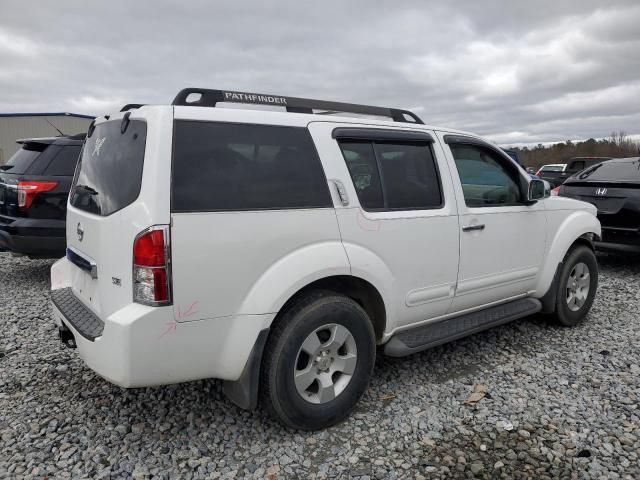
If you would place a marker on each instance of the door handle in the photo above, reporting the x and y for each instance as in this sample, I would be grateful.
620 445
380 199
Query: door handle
471 228
342 192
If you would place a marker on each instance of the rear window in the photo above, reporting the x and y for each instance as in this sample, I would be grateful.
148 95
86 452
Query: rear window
618 171
549 168
64 163
225 166
577 166
110 169
20 162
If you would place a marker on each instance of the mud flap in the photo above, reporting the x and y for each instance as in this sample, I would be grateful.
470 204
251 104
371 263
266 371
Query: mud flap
244 391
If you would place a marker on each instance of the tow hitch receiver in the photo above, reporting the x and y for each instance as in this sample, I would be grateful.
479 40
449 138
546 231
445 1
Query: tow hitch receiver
67 337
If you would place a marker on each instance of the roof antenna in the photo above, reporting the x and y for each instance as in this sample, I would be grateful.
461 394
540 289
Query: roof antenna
59 131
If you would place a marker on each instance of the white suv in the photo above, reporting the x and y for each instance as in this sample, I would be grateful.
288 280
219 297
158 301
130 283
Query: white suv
275 250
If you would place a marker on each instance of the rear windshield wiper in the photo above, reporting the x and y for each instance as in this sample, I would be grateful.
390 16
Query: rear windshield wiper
86 189
587 173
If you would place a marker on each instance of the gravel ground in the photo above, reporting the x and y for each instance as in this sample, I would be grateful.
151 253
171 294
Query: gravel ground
549 402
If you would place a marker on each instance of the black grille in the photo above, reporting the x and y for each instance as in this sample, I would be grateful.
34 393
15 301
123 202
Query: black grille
76 314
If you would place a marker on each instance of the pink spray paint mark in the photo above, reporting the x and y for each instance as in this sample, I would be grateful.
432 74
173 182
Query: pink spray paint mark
171 327
190 311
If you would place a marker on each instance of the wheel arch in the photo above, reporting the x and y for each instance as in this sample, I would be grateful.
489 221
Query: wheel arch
548 300
244 391
580 227
356 288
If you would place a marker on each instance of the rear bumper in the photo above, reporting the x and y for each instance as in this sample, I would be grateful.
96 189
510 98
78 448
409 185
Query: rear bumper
621 240
31 236
143 346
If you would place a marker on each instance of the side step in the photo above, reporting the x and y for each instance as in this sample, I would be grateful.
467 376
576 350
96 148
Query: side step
434 334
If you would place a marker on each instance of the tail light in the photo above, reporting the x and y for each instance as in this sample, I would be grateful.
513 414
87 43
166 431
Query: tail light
152 267
28 190
555 192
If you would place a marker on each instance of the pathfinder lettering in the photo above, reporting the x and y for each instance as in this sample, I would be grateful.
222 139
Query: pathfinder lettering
253 98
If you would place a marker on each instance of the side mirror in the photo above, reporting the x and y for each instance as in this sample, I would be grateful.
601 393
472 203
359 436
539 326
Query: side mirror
538 189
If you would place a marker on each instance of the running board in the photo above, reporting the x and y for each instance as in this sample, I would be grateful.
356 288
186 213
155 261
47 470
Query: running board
434 334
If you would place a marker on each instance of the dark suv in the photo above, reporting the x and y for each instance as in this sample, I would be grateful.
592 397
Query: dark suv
34 186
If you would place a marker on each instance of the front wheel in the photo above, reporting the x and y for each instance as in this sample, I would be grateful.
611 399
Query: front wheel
577 285
318 361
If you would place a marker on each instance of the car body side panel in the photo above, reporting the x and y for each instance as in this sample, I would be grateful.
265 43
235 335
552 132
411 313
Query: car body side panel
221 260
293 272
567 220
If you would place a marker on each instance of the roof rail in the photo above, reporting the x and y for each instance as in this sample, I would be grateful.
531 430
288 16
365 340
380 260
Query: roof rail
131 106
203 97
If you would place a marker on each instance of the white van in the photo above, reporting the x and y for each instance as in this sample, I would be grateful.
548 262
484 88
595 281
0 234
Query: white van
275 250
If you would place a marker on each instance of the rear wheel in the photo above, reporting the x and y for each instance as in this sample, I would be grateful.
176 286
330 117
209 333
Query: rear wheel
318 361
577 284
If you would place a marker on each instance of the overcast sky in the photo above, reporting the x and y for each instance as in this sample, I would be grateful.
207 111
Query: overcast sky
515 71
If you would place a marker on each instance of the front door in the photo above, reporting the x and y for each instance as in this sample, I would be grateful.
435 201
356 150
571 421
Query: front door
502 238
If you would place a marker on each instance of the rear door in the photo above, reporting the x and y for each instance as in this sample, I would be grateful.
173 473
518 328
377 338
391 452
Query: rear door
398 219
120 189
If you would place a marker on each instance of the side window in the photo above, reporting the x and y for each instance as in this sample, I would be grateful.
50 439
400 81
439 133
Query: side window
226 166
393 175
577 166
409 175
363 168
64 163
486 178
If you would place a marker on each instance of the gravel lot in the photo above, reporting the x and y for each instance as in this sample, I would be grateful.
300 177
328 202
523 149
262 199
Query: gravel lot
557 403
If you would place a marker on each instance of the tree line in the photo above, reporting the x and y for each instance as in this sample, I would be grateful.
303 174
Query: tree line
617 145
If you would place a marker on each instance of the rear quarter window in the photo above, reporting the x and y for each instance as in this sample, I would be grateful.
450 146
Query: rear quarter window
226 166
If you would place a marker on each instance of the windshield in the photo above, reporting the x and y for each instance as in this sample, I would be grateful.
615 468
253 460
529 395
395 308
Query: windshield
552 168
110 168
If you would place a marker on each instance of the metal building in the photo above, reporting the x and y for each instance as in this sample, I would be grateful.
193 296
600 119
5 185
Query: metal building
14 126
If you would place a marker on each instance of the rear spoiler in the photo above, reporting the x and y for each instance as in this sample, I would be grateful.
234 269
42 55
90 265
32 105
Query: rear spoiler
49 140
41 141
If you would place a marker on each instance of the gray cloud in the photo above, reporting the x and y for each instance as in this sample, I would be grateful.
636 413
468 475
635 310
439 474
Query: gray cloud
515 71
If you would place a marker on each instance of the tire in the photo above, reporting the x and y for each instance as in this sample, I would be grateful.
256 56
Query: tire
572 305
296 355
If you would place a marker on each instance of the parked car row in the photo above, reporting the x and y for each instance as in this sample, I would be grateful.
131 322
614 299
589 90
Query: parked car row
557 173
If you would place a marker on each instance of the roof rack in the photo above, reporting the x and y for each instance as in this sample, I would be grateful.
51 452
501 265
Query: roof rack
203 97
131 106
